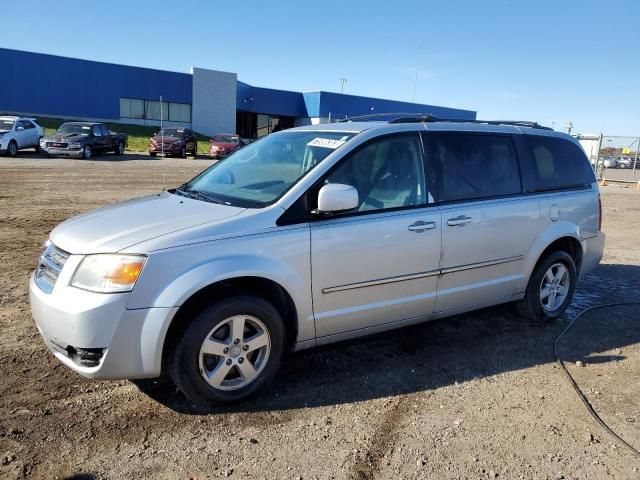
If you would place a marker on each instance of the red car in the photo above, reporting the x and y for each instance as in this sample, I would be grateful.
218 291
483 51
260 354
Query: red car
224 144
174 141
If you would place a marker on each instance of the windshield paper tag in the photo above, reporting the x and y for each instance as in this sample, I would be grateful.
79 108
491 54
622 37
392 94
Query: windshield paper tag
326 143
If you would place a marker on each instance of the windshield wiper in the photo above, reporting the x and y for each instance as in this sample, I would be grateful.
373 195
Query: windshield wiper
197 195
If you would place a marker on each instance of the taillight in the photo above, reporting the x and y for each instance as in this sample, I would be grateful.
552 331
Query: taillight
599 213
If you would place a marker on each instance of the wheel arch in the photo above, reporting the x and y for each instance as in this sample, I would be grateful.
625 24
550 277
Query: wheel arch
262 287
563 236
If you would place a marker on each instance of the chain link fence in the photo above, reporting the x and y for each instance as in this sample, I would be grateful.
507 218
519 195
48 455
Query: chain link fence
614 157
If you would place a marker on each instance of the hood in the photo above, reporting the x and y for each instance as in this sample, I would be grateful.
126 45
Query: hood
116 227
165 139
224 144
64 137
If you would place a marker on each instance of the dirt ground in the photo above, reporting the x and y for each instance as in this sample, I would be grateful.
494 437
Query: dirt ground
475 396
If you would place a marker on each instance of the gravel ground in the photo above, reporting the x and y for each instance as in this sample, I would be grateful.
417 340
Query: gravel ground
474 396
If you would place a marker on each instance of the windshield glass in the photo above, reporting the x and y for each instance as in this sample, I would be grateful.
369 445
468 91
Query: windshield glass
6 125
226 138
80 129
259 173
170 132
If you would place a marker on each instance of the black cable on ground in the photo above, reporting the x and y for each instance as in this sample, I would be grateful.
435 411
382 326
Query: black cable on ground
575 386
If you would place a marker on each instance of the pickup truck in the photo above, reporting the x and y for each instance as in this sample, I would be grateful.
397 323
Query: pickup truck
83 140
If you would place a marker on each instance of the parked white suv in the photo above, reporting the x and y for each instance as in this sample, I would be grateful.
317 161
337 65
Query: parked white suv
314 235
17 133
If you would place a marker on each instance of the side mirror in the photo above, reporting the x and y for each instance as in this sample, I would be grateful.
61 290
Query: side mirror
19 129
336 197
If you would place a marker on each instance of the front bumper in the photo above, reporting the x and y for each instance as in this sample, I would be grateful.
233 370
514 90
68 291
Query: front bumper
167 150
121 343
62 152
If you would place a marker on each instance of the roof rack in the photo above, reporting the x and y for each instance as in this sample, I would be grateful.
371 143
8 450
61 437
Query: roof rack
430 118
378 115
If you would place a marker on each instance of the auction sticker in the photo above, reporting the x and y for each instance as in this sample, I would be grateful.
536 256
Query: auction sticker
326 143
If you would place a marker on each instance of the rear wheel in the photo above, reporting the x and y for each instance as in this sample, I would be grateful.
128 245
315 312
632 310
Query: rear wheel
230 350
12 148
87 153
550 288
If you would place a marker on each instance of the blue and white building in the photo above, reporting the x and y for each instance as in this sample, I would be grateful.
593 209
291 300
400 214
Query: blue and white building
209 101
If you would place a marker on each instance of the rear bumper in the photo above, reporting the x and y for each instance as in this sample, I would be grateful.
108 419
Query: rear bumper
122 344
592 250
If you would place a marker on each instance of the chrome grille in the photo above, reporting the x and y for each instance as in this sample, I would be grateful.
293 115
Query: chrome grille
49 267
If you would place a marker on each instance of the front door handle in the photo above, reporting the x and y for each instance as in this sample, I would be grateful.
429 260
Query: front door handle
421 226
459 221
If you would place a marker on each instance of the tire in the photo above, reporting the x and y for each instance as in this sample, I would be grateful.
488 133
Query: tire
87 153
195 150
152 154
12 148
37 147
187 362
119 149
533 305
183 152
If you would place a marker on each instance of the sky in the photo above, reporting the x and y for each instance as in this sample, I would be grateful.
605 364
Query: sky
551 61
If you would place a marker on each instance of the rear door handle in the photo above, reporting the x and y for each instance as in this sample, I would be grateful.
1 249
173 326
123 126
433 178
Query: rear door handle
421 226
459 221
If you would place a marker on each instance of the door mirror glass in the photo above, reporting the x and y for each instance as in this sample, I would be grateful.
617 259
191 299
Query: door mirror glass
337 197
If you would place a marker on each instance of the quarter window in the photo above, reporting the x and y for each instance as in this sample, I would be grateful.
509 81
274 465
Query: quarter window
472 166
557 163
388 173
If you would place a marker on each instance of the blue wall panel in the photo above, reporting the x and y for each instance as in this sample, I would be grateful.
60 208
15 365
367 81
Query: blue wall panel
268 100
59 86
321 104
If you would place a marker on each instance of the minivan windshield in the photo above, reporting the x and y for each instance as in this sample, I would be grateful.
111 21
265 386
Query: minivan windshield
78 128
259 173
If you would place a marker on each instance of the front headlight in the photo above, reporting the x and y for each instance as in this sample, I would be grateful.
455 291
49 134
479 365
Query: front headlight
43 142
108 273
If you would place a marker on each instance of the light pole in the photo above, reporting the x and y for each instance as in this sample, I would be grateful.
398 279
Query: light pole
342 82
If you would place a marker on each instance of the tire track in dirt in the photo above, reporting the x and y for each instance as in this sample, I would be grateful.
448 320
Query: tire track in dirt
384 437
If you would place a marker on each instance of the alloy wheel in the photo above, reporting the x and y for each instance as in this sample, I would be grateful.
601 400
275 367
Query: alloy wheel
554 287
234 353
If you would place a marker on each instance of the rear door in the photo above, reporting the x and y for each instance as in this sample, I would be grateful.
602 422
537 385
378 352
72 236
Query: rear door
378 264
487 223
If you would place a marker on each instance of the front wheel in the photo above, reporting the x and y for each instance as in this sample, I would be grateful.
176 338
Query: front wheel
183 152
119 149
12 149
550 288
195 149
37 147
87 153
230 350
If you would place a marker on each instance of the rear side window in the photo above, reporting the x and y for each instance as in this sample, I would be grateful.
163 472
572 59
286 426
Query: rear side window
472 166
557 163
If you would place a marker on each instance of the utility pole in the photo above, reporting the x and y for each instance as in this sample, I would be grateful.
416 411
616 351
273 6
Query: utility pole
161 133
415 80
569 126
342 82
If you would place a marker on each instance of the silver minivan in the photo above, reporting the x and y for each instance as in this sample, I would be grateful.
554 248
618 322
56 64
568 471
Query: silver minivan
313 235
